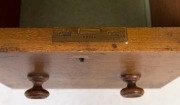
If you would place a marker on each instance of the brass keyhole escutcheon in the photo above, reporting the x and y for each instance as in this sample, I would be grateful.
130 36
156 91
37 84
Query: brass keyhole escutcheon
131 91
37 91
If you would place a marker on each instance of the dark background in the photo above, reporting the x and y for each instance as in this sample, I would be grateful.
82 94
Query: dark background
164 13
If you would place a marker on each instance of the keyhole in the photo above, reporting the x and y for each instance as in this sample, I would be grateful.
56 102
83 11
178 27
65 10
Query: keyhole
81 59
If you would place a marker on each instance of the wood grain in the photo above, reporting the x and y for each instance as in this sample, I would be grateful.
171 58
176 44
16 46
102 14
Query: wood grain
165 13
154 52
40 40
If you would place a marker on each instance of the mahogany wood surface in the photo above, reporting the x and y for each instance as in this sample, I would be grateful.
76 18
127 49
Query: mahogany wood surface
165 13
153 52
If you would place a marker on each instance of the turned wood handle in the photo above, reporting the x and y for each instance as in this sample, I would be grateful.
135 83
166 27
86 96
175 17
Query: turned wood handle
131 91
37 91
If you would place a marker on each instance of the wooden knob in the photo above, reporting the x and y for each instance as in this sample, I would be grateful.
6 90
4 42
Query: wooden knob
37 91
131 91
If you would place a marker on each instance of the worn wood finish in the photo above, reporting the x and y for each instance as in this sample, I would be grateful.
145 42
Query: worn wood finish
165 13
99 70
154 52
40 40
